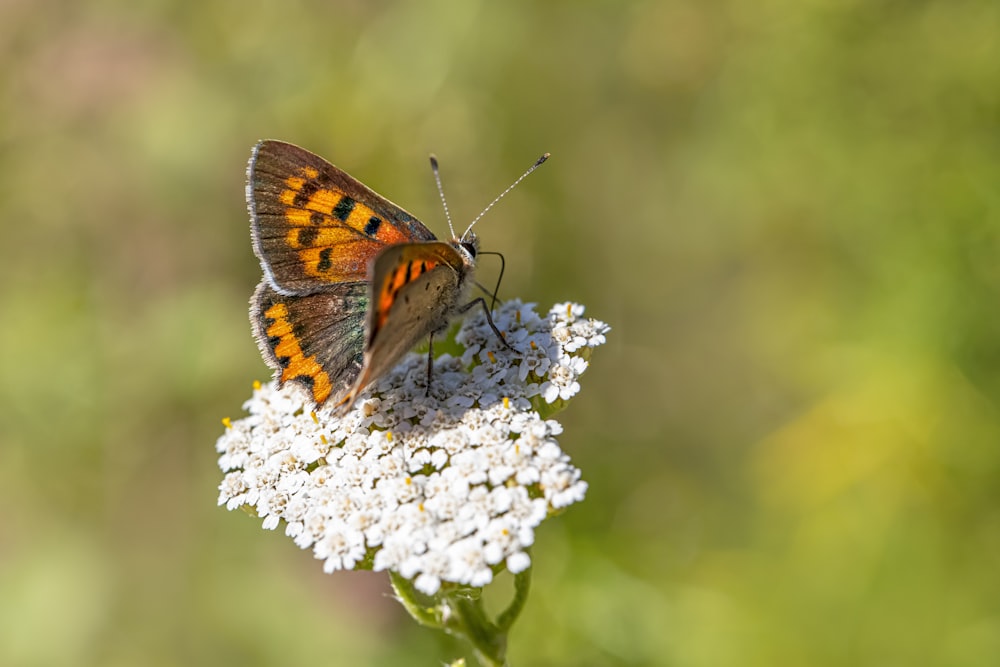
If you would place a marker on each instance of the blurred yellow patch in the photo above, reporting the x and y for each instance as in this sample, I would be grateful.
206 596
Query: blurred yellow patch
893 428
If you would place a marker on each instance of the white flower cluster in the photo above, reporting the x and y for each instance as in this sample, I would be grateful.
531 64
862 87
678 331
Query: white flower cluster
442 487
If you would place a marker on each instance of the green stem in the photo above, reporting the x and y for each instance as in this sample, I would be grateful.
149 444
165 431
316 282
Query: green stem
469 619
522 584
459 612
408 596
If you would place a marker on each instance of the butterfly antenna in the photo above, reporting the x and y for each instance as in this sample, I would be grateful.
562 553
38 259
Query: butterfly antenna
500 196
444 202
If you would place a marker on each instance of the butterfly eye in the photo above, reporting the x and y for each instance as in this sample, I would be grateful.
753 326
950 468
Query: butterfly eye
471 248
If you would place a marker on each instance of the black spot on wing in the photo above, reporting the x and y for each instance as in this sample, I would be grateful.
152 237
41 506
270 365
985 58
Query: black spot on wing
307 236
343 208
324 260
305 193
371 229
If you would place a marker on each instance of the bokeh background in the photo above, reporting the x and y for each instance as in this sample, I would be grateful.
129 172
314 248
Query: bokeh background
787 210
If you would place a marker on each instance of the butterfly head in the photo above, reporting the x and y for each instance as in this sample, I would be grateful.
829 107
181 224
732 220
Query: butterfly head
468 245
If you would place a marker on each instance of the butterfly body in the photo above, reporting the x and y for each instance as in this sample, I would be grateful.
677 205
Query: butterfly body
351 281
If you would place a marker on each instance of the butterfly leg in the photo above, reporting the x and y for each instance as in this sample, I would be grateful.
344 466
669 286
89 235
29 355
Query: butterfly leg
496 290
489 318
430 361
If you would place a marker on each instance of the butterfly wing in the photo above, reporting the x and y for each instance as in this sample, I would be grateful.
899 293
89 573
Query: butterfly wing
415 289
317 340
316 231
314 225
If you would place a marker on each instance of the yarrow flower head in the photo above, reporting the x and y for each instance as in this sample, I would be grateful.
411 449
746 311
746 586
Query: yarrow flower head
441 487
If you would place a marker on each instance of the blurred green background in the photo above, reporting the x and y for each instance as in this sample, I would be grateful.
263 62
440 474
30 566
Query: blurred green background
787 210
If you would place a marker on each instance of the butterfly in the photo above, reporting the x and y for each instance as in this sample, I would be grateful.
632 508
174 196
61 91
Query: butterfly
351 282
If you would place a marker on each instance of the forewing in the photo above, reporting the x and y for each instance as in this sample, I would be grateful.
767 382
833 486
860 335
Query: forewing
317 340
398 272
313 224
415 288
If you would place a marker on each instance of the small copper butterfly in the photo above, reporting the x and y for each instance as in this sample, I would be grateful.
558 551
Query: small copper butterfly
351 281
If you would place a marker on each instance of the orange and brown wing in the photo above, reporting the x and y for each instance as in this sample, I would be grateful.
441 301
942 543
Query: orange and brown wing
316 340
415 289
397 269
314 225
